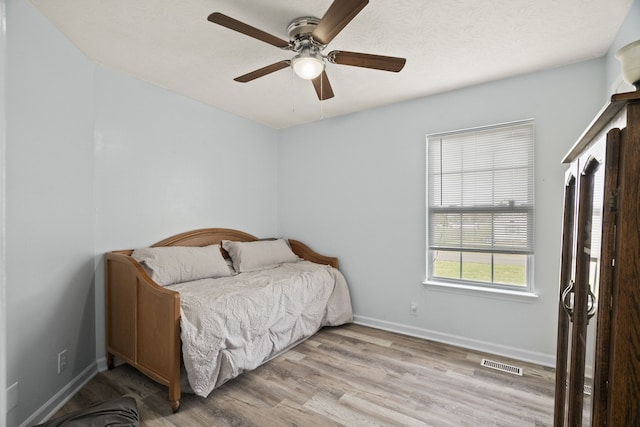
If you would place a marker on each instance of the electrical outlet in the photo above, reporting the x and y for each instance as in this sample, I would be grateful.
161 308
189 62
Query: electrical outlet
62 361
414 309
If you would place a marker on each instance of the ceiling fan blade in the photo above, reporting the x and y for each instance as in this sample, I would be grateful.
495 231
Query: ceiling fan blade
241 27
365 60
322 86
339 14
263 71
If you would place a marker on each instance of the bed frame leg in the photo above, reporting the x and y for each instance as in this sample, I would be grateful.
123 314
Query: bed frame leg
110 362
174 396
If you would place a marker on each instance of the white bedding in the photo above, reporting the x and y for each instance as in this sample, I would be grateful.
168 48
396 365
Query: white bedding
234 324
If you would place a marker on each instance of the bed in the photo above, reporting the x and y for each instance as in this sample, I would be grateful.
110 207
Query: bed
196 319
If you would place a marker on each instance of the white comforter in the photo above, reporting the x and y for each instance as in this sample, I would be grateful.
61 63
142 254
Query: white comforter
234 324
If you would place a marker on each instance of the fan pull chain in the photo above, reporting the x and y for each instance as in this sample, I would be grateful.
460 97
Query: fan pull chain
293 91
322 92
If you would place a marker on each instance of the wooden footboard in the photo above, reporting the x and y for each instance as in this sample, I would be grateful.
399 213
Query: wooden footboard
143 318
143 323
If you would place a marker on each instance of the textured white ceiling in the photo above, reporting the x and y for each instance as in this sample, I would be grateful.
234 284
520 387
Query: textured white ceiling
448 44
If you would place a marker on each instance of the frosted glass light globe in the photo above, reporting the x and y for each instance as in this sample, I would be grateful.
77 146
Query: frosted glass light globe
307 65
629 57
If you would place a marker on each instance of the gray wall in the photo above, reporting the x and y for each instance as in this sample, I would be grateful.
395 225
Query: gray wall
3 302
363 200
49 209
166 164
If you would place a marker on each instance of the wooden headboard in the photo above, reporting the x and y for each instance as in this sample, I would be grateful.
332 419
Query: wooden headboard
212 236
205 237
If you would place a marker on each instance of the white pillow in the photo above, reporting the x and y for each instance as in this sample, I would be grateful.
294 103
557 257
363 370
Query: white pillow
259 255
229 262
168 265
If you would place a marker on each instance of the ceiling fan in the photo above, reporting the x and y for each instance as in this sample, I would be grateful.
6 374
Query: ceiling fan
309 36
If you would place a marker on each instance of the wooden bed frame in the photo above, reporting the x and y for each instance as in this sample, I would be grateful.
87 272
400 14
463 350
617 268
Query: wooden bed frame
143 318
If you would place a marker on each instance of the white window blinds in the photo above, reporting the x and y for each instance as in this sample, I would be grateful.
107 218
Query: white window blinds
480 186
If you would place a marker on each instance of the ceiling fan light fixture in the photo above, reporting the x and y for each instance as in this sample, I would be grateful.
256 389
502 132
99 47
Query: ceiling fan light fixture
307 64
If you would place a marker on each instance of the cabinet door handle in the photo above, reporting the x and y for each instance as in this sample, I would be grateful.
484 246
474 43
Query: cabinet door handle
567 300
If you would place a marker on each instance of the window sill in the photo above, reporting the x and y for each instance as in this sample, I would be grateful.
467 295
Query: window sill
503 294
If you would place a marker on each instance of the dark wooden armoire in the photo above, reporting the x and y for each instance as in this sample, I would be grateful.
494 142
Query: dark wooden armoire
598 348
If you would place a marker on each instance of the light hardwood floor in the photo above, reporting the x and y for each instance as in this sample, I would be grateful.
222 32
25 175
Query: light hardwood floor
350 376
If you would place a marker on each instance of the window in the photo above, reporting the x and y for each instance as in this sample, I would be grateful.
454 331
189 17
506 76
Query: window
480 206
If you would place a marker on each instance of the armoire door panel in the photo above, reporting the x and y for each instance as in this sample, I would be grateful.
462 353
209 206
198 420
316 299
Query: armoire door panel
562 343
581 293
603 319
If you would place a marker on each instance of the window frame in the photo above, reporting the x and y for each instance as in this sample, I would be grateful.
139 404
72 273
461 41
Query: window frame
490 210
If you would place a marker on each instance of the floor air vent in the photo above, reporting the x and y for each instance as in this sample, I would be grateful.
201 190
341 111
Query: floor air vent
587 388
501 367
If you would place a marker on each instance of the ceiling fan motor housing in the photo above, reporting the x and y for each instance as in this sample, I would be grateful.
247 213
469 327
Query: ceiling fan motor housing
300 30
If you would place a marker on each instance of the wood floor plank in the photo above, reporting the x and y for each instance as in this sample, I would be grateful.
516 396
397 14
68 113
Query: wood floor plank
298 415
333 409
349 376
381 413
370 338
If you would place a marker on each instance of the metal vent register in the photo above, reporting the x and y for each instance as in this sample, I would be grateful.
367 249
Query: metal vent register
499 366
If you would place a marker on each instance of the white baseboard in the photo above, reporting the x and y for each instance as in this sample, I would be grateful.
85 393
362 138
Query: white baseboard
102 364
483 346
54 404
